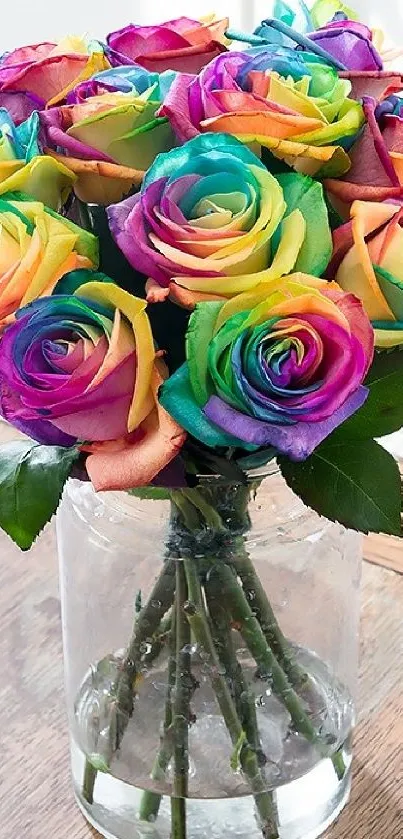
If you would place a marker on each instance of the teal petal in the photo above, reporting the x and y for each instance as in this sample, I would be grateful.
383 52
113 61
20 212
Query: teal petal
212 144
176 396
70 282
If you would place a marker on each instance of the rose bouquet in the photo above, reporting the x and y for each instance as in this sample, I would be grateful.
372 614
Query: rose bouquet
241 315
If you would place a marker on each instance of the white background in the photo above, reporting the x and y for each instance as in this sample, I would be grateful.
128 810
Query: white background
36 20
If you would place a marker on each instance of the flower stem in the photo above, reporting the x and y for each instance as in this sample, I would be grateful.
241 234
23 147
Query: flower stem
264 613
178 818
147 623
182 689
158 642
151 801
223 637
90 775
199 624
262 653
181 711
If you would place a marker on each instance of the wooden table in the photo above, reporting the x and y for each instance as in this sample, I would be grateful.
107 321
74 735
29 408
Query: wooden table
35 796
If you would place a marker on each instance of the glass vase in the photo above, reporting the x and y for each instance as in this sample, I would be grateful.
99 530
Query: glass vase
210 640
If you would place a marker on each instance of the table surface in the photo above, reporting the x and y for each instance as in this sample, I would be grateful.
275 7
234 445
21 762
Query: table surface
36 801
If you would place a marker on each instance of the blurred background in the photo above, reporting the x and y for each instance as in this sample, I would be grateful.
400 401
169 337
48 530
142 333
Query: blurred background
41 20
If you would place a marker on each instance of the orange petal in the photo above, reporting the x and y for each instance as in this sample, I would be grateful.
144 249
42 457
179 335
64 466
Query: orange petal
137 464
189 299
99 182
262 124
155 292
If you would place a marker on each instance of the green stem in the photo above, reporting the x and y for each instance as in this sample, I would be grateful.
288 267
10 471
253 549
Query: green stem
181 711
147 623
223 638
264 613
90 776
158 642
178 818
200 627
339 764
265 659
151 801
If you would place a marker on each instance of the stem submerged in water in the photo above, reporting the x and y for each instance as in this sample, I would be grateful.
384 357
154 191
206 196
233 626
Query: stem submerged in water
181 709
199 624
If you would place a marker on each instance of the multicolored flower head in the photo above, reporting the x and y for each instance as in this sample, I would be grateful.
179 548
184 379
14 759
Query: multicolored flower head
81 366
281 366
367 262
183 44
37 247
110 138
289 102
211 221
44 74
23 168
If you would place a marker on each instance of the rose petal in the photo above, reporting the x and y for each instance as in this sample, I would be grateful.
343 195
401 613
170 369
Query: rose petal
297 441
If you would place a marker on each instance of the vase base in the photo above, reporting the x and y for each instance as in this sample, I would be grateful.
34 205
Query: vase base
306 808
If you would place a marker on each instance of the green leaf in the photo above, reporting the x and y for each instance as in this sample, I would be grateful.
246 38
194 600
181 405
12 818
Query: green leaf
151 493
32 478
355 483
382 413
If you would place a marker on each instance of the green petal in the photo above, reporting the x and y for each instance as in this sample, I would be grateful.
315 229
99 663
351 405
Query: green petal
86 245
392 290
199 336
219 359
303 193
324 10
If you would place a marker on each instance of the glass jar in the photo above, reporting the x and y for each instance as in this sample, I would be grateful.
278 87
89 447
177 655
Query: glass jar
211 640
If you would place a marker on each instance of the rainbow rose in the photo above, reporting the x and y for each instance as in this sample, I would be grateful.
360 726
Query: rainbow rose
284 100
81 366
183 44
109 139
281 366
37 247
211 221
22 168
367 262
376 172
43 74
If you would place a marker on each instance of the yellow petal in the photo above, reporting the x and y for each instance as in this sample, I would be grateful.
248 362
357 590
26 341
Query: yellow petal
251 299
388 338
70 44
326 161
46 179
283 94
134 310
356 274
98 182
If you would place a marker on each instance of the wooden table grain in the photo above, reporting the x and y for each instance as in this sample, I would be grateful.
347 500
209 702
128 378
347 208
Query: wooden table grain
36 801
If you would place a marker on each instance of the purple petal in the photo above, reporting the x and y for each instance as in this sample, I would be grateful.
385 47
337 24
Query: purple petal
296 441
176 108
